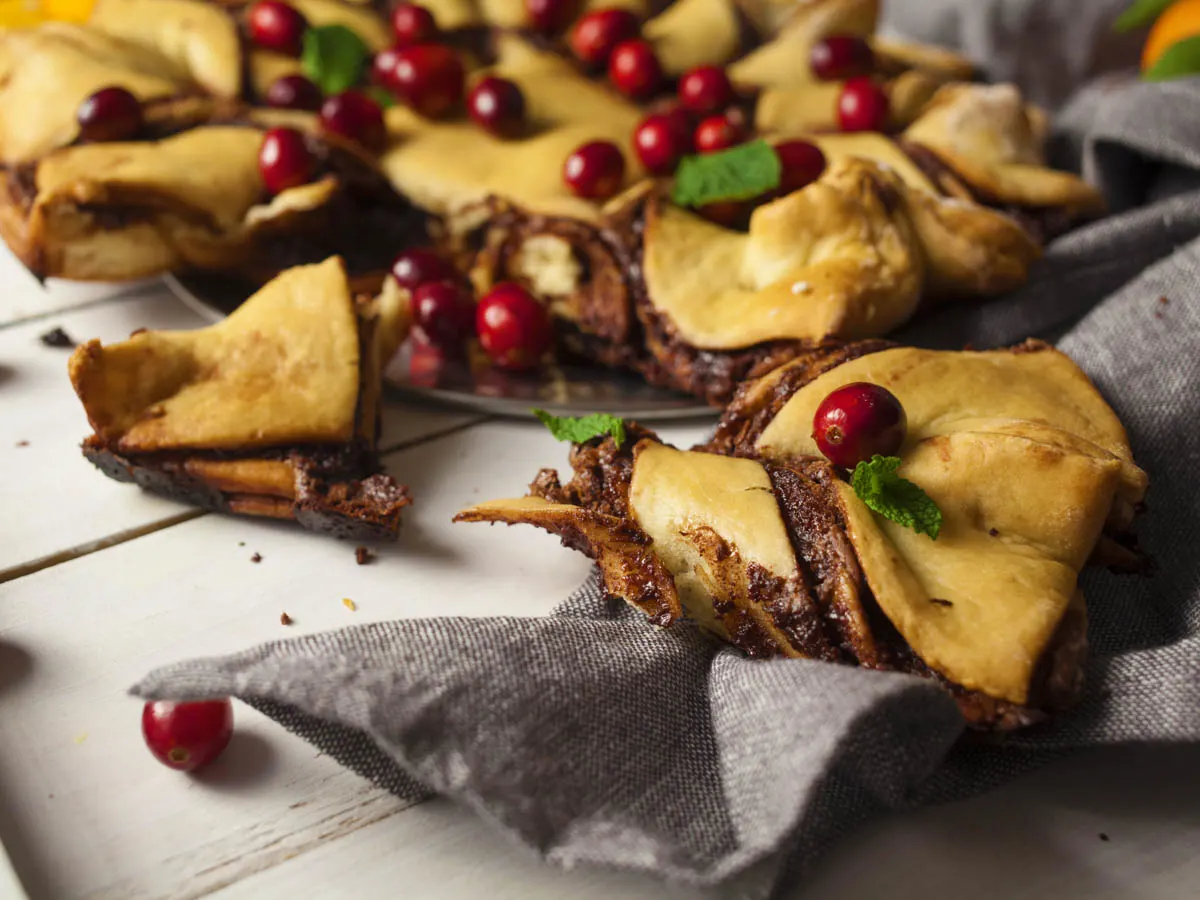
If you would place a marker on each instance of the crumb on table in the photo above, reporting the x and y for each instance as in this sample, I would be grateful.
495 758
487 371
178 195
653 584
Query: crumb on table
256 558
349 604
285 619
362 555
56 337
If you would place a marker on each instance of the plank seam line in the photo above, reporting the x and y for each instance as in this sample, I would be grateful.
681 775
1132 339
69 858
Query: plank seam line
436 435
87 549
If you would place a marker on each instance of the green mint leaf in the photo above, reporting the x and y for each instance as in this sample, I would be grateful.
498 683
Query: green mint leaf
1141 13
898 499
567 428
1180 59
385 98
333 57
738 173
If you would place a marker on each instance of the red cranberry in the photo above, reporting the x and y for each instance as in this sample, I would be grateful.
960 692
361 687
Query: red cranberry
186 736
110 114
595 170
284 160
513 328
841 56
429 78
354 116
417 266
717 133
661 142
551 16
497 106
802 164
383 68
276 26
595 35
634 69
705 90
857 421
862 106
294 92
681 118
413 24
444 312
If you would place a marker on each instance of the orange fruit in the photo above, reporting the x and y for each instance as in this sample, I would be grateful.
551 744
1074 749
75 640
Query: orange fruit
1181 20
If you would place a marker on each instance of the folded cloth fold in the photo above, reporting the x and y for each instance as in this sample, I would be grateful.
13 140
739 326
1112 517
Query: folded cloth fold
593 738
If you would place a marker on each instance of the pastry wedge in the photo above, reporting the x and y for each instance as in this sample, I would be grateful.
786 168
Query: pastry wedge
770 548
273 412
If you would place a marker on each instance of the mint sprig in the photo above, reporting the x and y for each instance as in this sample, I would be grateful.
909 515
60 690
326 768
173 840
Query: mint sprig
1141 13
897 499
333 57
738 173
584 428
1179 60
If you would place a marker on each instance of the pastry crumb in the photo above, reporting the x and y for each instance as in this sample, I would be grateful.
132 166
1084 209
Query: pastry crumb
256 558
1103 836
285 619
22 444
241 543
362 555
56 337
349 604
1165 301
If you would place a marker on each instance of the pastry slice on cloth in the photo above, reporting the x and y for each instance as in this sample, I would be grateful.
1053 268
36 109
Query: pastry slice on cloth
775 549
700 307
272 412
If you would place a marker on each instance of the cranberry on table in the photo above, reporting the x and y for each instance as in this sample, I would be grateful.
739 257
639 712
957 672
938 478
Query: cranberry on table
841 56
284 160
551 16
717 133
276 26
497 106
857 421
514 329
634 69
706 89
597 34
429 78
418 265
356 117
661 140
294 92
413 24
187 736
110 114
862 106
444 312
802 163
595 170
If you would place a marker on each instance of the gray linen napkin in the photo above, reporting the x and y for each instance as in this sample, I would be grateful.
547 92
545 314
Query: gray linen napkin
591 737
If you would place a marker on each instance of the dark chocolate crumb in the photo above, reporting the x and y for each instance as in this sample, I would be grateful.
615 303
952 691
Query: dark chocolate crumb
257 557
56 337
1103 836
940 602
362 555
137 331
285 619
22 443
993 532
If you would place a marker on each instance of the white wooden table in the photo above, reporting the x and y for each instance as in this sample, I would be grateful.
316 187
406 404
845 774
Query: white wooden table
99 583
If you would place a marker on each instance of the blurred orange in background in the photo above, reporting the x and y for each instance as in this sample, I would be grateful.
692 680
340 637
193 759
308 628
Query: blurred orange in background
24 13
1178 21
